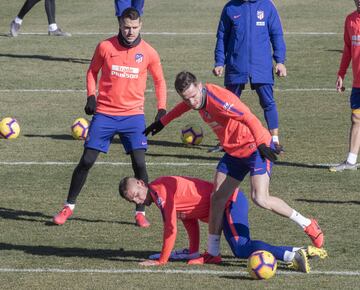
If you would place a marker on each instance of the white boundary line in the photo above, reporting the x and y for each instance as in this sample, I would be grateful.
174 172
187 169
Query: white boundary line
150 90
168 33
179 164
149 271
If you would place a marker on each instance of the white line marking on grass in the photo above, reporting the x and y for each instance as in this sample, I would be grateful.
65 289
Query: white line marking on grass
169 33
151 91
149 271
65 163
15 163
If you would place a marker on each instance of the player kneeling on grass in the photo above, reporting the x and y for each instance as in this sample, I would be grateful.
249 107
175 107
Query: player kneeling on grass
248 149
188 199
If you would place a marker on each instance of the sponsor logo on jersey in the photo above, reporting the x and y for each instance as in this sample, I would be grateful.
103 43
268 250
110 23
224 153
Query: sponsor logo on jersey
260 14
260 23
180 215
139 58
127 72
355 40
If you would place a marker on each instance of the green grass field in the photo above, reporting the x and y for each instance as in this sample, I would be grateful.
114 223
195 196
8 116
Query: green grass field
43 86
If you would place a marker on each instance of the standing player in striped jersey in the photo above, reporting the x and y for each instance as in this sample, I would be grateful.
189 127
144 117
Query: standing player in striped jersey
188 199
124 61
248 148
351 53
121 5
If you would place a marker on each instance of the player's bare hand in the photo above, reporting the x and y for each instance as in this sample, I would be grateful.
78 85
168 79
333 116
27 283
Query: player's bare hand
280 70
340 84
218 71
147 263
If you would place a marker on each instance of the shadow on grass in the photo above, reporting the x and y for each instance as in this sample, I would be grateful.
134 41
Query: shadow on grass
104 254
46 58
303 165
52 136
329 201
335 50
117 140
182 156
30 216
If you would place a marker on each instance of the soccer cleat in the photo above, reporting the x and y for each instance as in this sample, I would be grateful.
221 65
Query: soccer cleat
315 233
343 166
279 149
141 221
216 148
181 254
59 32
62 216
314 252
300 262
14 28
205 258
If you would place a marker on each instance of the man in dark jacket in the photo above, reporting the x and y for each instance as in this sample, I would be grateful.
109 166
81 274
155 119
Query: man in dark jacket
249 37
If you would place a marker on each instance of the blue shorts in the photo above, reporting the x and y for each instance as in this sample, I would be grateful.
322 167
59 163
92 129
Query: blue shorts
355 100
238 167
104 127
121 5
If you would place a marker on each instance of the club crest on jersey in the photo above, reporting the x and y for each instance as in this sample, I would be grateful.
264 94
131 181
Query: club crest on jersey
260 14
227 106
139 58
159 202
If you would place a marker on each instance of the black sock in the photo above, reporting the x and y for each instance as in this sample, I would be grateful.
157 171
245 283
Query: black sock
27 7
139 167
80 173
50 11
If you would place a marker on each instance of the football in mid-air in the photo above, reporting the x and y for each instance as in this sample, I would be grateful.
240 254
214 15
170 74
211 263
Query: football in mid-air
9 128
262 265
80 128
192 134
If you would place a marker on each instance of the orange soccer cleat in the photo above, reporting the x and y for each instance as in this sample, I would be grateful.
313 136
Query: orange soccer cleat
315 233
205 258
62 216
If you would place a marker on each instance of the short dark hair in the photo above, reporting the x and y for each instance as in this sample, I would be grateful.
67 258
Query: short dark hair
130 13
184 80
123 186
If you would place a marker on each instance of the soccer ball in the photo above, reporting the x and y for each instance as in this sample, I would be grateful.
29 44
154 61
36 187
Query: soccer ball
192 135
9 128
80 128
262 265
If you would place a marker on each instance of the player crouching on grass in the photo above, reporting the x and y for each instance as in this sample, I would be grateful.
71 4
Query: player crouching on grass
248 149
188 199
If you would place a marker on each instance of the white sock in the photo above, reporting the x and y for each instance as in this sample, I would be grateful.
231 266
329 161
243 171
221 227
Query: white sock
142 212
53 27
275 139
70 205
213 246
18 20
352 158
300 219
289 256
